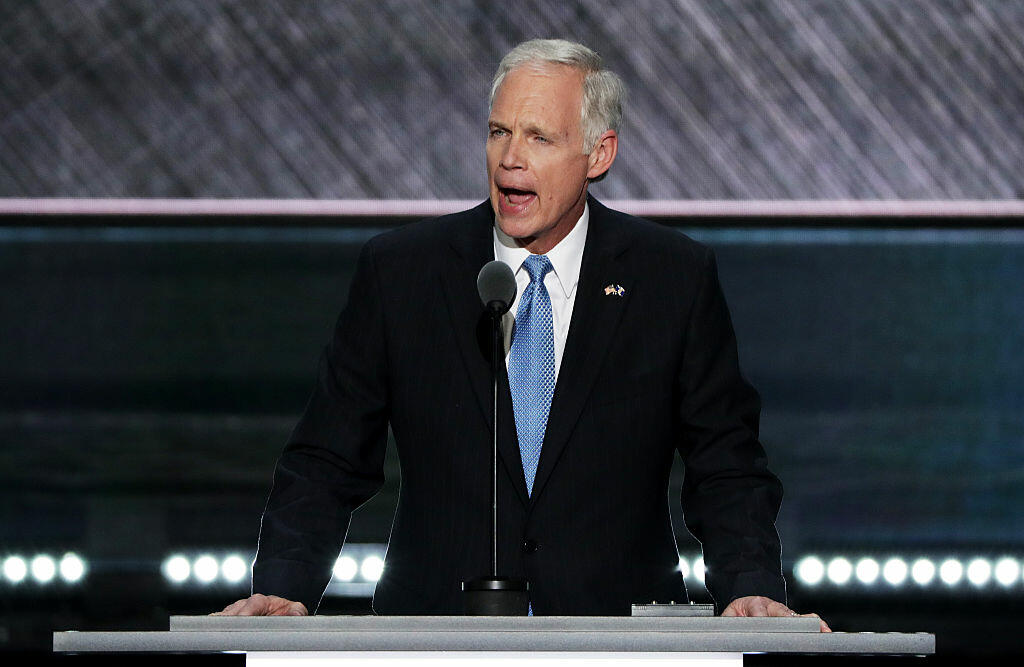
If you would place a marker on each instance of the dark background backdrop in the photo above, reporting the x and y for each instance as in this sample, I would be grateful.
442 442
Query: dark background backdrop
151 367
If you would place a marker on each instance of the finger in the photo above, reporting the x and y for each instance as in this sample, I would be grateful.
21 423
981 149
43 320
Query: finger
278 606
295 608
254 606
823 626
234 606
738 607
757 607
229 610
778 609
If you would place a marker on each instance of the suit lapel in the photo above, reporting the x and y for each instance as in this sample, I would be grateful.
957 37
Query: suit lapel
595 318
473 248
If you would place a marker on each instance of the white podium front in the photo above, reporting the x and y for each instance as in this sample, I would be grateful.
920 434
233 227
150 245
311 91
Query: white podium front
498 641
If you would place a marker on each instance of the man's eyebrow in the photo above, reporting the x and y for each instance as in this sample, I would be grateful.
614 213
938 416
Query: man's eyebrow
531 128
549 133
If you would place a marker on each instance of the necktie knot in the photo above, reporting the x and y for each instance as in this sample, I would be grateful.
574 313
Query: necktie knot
537 266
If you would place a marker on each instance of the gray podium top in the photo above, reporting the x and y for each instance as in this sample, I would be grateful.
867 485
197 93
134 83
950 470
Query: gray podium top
460 633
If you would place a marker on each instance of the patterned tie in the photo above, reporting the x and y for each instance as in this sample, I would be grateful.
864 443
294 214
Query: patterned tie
531 365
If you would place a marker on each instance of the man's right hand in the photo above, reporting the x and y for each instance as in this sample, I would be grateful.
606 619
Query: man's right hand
263 605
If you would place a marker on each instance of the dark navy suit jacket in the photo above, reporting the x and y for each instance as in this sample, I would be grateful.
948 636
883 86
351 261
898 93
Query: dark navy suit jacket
644 375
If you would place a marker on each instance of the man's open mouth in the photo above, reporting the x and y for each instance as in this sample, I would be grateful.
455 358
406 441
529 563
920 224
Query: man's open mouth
514 199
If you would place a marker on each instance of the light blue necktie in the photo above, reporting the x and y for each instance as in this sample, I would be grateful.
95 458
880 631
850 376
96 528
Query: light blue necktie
531 365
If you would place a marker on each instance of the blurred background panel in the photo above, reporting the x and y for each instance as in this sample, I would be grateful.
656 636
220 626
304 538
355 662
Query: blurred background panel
151 367
738 99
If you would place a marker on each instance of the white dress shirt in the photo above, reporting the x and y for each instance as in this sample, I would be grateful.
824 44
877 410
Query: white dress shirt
566 258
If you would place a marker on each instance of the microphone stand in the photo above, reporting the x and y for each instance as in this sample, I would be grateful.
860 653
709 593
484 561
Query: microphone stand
497 348
495 595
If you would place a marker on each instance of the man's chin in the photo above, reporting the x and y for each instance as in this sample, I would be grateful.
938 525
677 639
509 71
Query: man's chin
521 231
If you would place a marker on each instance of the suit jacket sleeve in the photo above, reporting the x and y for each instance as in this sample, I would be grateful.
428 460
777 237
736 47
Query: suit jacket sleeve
334 460
730 499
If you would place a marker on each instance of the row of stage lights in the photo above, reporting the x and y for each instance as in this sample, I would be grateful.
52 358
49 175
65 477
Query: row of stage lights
43 569
207 569
810 571
841 571
233 569
367 568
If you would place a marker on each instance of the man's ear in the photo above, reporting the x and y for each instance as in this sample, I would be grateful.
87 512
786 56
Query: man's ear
601 158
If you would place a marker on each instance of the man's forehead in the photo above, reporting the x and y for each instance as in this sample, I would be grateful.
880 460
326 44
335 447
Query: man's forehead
542 86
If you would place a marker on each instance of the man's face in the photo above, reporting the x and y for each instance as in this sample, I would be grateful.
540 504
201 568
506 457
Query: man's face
535 162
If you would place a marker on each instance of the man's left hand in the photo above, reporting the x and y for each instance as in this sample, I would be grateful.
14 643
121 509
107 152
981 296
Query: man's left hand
755 605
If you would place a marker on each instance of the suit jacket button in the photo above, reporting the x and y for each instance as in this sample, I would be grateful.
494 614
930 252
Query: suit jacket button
530 546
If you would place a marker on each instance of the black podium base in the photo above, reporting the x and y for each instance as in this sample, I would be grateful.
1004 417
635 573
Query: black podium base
496 596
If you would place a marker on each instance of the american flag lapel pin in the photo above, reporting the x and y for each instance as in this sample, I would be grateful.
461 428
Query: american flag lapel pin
614 290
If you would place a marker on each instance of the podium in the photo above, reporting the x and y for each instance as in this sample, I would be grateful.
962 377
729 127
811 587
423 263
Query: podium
318 641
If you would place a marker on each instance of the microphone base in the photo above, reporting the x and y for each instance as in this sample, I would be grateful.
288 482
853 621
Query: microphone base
496 596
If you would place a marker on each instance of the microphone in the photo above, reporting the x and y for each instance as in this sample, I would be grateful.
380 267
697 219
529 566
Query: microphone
497 287
494 594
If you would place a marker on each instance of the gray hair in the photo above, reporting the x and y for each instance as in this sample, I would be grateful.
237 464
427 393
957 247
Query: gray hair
603 90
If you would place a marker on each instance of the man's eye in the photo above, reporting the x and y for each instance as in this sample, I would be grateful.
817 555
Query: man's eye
541 139
497 132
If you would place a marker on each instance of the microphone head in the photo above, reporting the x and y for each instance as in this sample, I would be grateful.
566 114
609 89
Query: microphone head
497 287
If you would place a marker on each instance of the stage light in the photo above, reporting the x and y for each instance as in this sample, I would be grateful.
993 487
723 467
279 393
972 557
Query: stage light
699 572
951 571
684 567
922 571
44 569
1007 570
867 570
205 568
72 568
810 570
979 571
839 571
234 569
15 569
895 571
372 568
177 569
346 568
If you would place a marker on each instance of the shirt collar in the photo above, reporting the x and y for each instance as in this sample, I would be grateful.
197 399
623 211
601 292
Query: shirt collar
566 257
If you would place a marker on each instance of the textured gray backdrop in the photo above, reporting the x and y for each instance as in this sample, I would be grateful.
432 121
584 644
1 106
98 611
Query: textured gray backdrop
736 99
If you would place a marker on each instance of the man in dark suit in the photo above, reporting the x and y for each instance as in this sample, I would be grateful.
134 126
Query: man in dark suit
622 354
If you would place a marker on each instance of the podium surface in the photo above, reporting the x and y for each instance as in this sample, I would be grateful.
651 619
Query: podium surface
396 639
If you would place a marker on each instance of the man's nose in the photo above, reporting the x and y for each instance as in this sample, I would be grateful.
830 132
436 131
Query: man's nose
513 157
